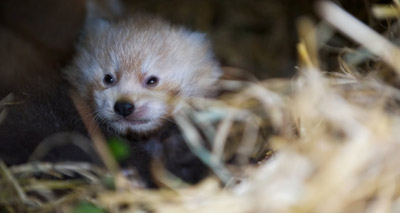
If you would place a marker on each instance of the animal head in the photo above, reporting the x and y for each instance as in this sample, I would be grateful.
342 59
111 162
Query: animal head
132 72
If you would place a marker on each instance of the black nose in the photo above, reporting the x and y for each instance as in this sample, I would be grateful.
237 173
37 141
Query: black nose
124 108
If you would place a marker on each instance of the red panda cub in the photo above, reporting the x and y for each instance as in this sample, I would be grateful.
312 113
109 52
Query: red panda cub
130 72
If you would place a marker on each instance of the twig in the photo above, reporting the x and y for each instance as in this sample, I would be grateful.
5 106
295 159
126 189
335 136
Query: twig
360 33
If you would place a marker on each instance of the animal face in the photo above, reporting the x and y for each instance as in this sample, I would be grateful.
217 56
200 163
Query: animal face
133 72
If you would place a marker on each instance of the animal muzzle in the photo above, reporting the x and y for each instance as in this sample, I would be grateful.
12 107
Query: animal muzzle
124 108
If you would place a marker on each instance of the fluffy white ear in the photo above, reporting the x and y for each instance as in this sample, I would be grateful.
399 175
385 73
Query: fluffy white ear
93 27
96 25
197 37
97 16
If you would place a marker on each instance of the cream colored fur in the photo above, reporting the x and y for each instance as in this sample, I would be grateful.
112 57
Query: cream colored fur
132 50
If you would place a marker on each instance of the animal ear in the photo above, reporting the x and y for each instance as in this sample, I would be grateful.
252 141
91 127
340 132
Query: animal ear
198 37
93 27
96 16
96 25
200 41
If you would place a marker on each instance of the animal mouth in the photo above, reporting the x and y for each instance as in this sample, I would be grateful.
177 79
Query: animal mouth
134 122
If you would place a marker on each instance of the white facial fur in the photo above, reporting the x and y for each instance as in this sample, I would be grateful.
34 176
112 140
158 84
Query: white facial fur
132 51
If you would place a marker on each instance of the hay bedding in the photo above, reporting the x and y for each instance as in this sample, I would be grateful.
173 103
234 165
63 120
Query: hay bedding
334 138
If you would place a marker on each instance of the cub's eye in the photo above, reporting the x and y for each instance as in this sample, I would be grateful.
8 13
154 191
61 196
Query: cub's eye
152 81
109 79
